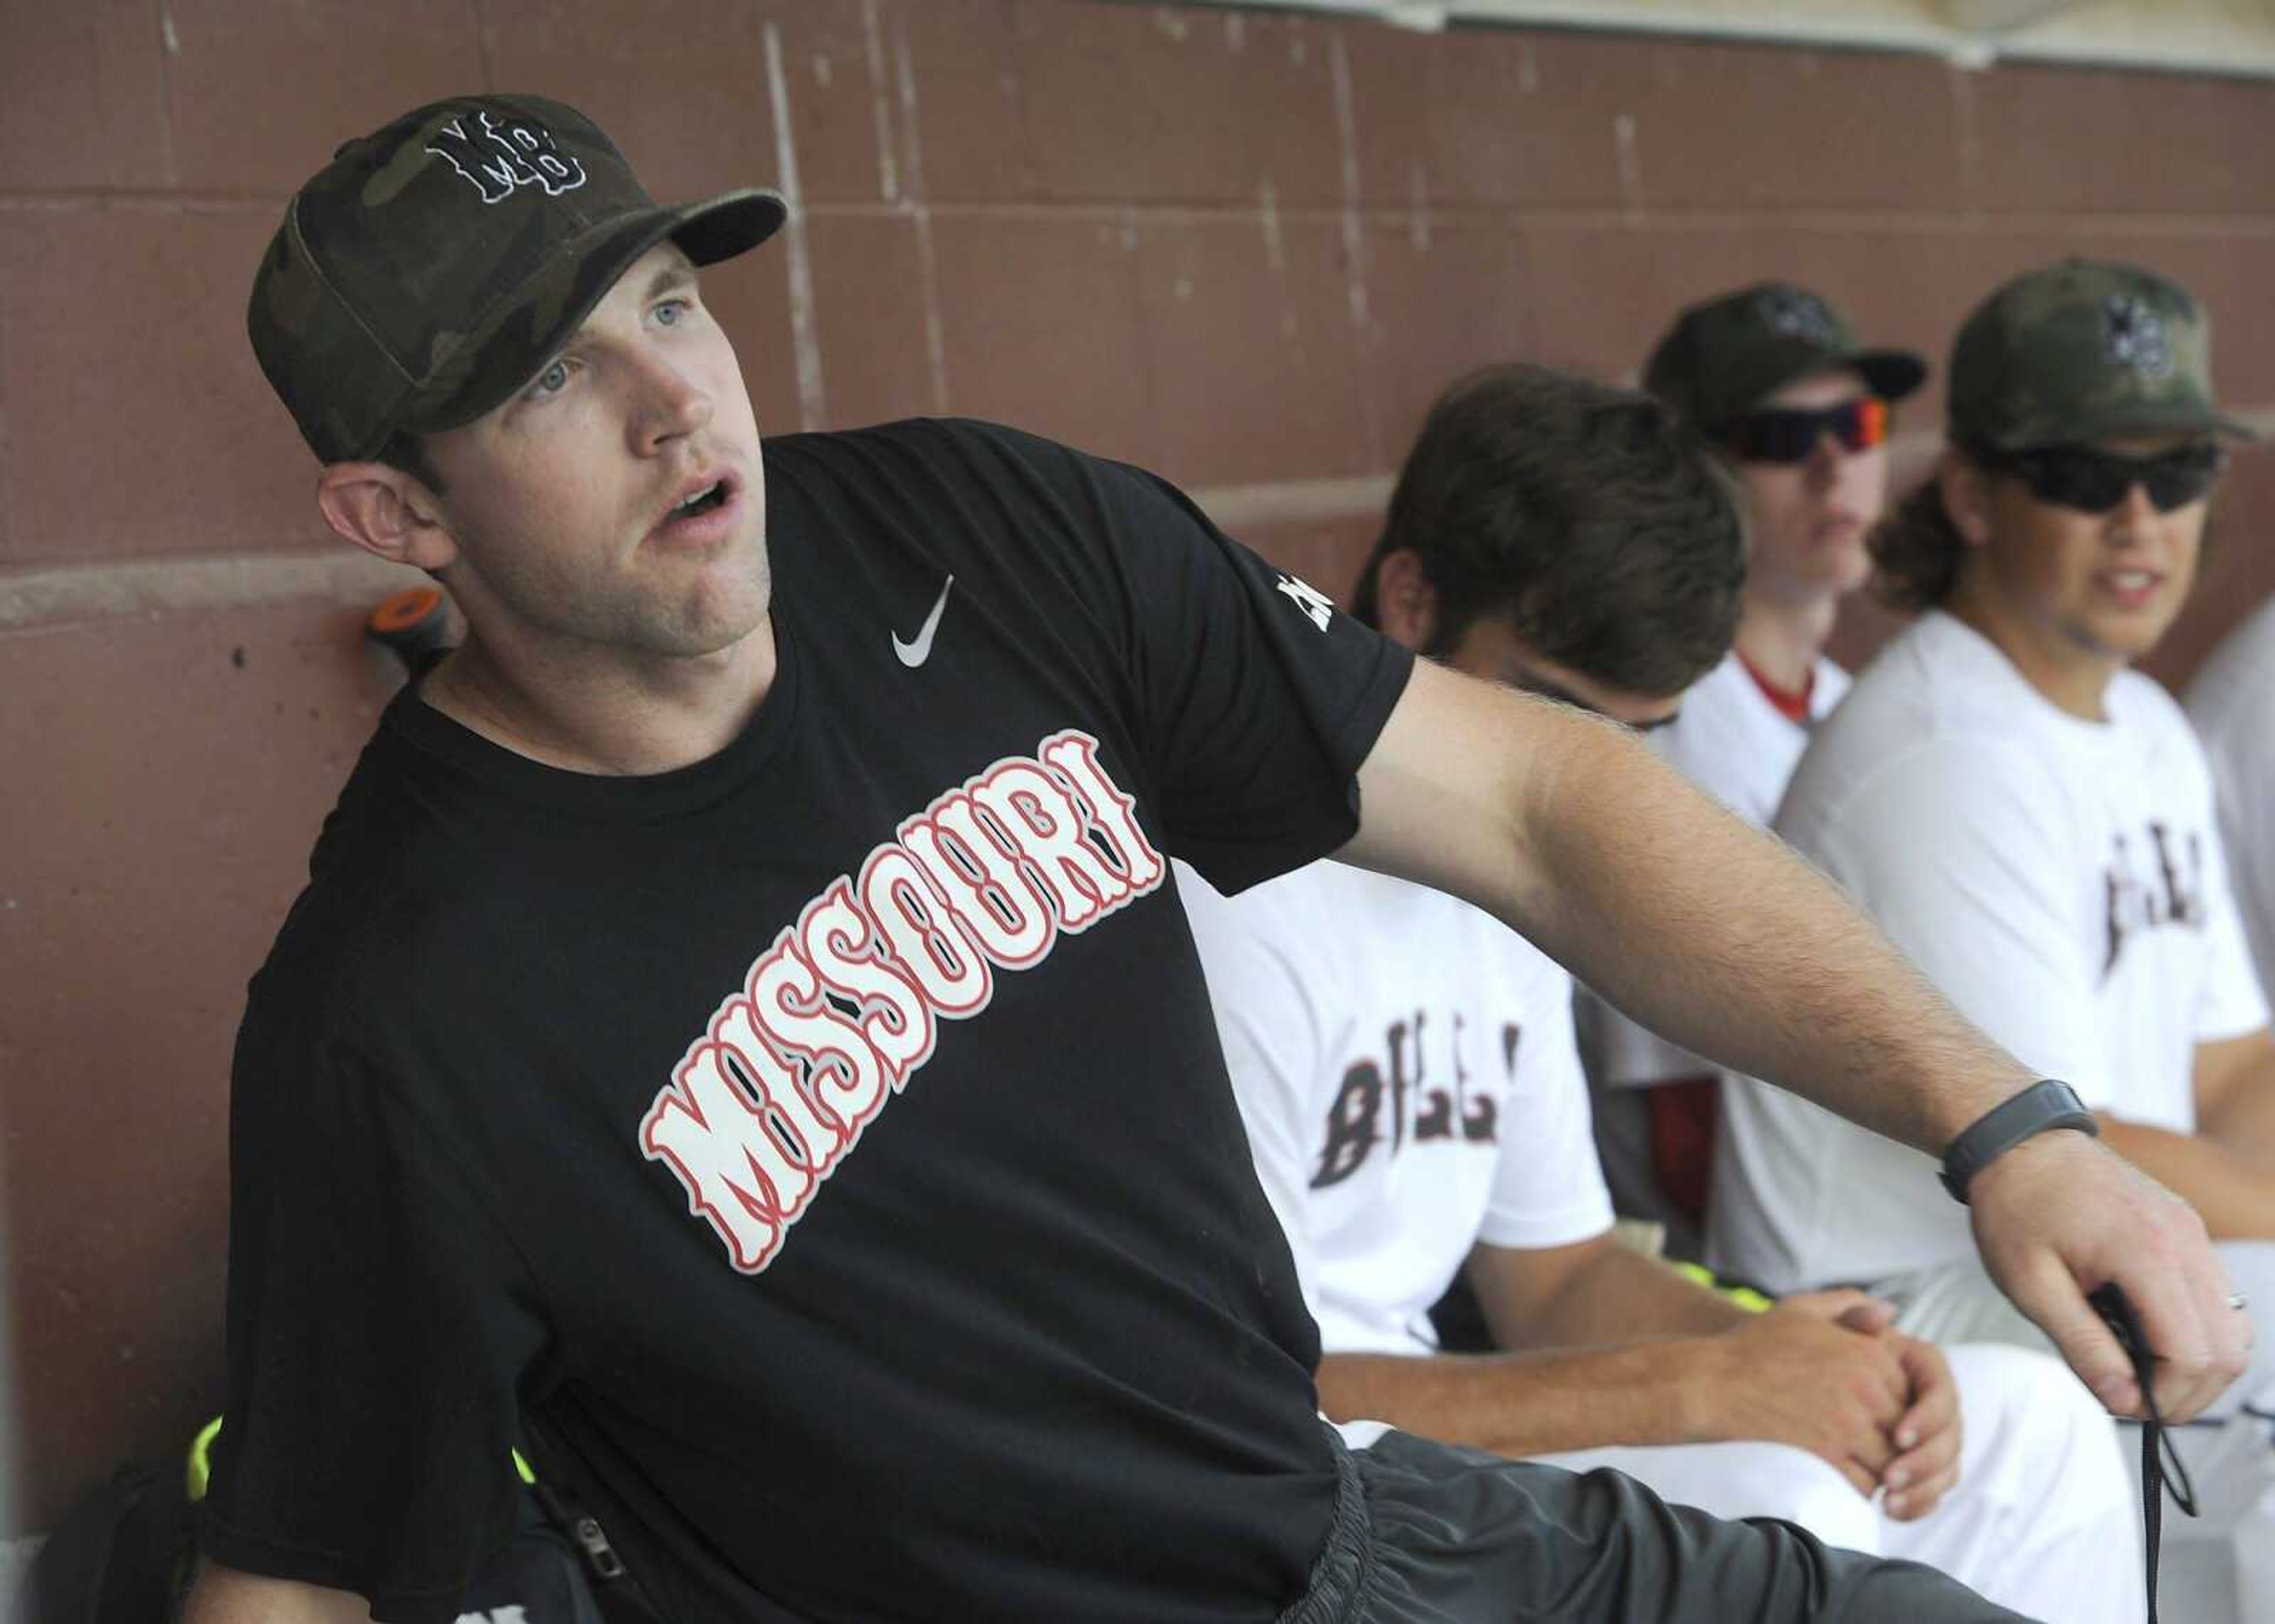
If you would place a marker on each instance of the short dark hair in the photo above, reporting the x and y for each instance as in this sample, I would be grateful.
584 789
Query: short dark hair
1609 529
1917 551
406 453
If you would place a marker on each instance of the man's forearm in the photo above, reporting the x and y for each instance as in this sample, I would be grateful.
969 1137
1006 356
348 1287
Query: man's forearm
2235 1098
1724 940
1521 1404
2245 1129
1619 1295
2236 1200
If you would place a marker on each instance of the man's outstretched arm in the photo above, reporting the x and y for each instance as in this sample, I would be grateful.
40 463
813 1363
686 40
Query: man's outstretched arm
1708 930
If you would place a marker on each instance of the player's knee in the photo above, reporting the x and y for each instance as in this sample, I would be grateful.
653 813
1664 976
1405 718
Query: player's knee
1776 1480
2030 1425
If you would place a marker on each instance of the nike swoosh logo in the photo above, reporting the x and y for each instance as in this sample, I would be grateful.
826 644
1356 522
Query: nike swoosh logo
915 652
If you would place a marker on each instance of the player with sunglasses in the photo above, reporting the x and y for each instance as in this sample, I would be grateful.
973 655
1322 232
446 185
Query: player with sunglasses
2031 820
1777 379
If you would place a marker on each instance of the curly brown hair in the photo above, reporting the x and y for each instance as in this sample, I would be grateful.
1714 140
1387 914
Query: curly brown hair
1917 551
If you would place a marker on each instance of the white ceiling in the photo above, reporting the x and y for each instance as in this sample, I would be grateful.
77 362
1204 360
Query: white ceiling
2220 36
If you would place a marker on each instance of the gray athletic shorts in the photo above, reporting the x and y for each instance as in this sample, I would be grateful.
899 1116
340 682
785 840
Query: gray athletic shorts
1426 1533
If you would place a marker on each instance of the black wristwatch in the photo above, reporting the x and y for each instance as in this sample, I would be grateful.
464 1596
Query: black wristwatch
2041 1105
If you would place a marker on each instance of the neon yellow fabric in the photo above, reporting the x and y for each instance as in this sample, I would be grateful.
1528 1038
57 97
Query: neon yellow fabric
200 1469
1744 1296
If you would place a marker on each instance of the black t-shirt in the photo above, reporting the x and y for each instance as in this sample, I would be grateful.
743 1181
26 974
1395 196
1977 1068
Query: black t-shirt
821 1155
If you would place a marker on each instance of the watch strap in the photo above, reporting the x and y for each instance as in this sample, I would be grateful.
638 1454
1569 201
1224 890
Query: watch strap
2044 1105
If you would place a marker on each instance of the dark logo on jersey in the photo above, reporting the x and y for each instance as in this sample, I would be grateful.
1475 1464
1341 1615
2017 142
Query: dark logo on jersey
1315 604
2172 894
2134 335
835 1018
497 155
1795 313
1369 1111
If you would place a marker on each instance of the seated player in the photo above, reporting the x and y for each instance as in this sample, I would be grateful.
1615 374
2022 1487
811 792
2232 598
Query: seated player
1776 378
1405 1068
2031 819
2232 702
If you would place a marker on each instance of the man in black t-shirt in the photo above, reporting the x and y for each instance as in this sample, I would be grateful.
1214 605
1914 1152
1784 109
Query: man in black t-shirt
736 1040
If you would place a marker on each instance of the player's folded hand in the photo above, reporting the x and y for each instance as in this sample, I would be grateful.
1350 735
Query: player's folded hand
1801 1374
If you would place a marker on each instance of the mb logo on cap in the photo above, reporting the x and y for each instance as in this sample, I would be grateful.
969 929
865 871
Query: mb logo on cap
502 154
2136 335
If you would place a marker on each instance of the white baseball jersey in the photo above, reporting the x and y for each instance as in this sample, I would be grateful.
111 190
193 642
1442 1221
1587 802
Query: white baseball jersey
2062 882
2233 704
1734 743
1404 1064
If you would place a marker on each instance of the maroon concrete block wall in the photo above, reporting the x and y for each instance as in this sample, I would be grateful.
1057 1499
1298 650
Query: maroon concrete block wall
1246 248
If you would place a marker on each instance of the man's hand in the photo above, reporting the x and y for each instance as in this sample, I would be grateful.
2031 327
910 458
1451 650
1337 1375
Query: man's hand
1818 1373
2059 1215
1929 1434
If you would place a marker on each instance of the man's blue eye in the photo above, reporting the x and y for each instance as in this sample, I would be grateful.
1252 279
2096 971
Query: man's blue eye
671 312
551 379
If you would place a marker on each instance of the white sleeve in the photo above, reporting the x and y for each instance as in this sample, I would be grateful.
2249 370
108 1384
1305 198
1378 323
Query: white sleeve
1262 983
1963 853
1548 1186
2233 1003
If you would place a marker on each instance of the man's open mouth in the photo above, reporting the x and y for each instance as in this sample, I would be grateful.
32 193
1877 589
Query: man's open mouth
701 502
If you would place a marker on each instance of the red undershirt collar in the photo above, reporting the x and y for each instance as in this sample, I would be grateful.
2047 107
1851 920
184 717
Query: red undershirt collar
1791 703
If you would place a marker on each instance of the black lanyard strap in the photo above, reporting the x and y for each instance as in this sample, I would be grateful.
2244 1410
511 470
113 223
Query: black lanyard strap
2158 1455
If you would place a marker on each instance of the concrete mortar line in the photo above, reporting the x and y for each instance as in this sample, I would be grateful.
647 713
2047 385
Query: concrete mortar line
169 47
805 345
44 597
920 207
880 102
1289 502
1354 234
1953 221
483 54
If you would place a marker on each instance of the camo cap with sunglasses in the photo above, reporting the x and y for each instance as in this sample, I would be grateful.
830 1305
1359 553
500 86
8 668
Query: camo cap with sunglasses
2083 351
1722 357
431 268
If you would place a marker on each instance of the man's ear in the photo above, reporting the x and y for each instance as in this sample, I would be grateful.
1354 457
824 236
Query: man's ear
1404 600
1965 492
386 512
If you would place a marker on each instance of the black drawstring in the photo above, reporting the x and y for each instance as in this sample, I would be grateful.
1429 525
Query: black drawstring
2157 1455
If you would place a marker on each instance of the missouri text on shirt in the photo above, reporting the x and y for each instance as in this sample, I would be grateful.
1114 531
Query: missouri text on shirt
841 1009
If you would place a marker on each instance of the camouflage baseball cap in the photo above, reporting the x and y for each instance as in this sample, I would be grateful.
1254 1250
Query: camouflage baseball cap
2081 350
428 271
1722 357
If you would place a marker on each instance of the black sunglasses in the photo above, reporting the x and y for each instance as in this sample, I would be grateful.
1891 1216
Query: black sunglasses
2092 480
1789 435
